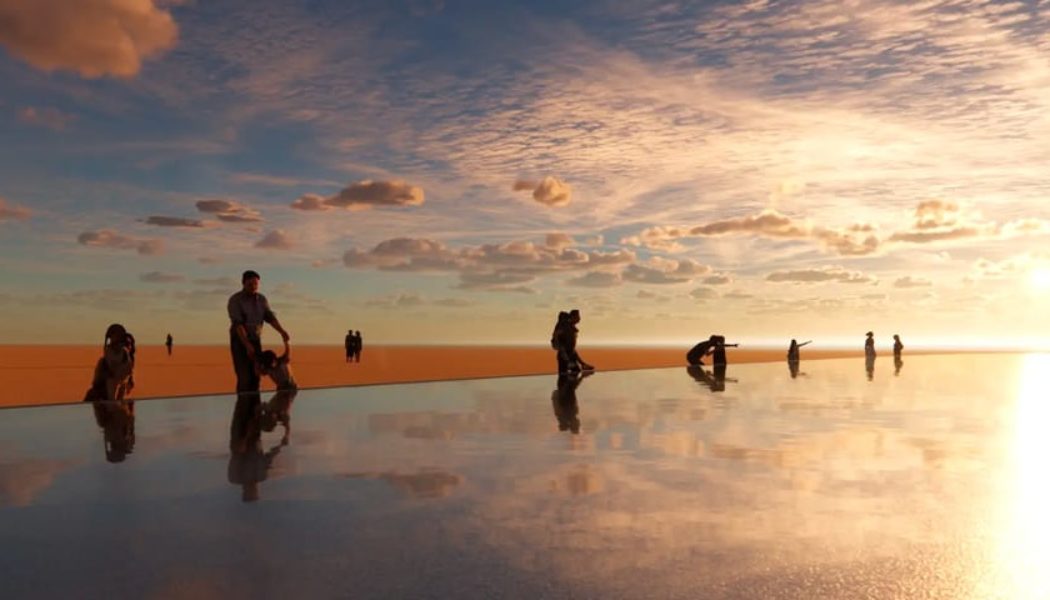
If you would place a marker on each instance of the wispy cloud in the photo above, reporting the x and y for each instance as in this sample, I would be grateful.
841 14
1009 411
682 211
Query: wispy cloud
46 116
161 221
161 277
107 238
13 212
821 275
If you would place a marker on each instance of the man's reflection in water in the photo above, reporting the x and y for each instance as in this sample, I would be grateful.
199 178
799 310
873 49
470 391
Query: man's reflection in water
249 464
793 364
897 364
869 366
117 420
714 380
563 400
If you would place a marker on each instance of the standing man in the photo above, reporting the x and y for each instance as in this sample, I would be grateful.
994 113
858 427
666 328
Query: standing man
169 342
248 311
348 343
358 344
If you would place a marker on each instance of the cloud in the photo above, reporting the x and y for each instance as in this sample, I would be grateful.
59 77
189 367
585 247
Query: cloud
91 37
13 212
597 279
496 281
662 271
159 277
822 275
768 224
277 239
160 221
51 118
310 202
377 193
704 293
911 282
559 240
229 211
403 300
720 279
106 238
550 190
224 282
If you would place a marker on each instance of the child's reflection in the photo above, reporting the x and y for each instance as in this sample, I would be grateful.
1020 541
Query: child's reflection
249 465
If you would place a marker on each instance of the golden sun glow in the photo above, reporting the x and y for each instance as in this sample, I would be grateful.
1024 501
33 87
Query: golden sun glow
1039 279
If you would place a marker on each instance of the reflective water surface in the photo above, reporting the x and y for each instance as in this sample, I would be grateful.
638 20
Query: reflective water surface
926 479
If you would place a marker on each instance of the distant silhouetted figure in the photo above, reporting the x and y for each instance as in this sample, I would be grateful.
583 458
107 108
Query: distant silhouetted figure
897 346
114 378
869 346
696 354
359 344
793 353
348 344
169 342
563 400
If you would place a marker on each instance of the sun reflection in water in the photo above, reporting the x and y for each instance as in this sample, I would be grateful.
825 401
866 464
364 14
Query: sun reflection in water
1024 549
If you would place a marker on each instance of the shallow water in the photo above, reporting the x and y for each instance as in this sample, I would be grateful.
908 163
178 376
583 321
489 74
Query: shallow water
928 483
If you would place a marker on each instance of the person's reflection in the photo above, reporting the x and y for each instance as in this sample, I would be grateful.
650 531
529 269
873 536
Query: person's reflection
897 364
563 400
793 365
249 464
715 380
869 366
117 420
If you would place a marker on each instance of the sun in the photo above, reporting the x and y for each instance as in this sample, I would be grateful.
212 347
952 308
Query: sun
1039 279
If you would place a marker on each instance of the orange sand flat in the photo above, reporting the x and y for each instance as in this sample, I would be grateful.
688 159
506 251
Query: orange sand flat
36 375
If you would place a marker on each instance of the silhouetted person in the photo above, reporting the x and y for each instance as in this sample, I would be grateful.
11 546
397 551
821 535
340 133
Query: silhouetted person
248 310
559 342
563 400
897 346
248 465
564 341
359 344
113 378
718 356
793 352
348 344
696 354
169 342
869 346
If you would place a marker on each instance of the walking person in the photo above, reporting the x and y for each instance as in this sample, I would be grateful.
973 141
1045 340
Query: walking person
248 310
169 342
348 344
897 346
358 345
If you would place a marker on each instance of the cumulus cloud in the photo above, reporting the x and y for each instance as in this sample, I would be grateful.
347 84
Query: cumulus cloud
161 221
596 279
720 279
823 275
941 221
377 193
51 118
13 212
277 239
310 202
559 240
550 190
161 277
106 238
911 282
768 224
91 37
229 211
662 271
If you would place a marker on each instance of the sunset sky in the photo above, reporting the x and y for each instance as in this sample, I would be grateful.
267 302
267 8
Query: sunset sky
434 171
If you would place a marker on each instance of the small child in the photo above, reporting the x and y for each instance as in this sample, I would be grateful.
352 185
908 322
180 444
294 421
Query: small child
278 408
114 372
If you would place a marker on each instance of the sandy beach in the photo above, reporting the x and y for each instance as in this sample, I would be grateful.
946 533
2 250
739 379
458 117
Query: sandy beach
37 375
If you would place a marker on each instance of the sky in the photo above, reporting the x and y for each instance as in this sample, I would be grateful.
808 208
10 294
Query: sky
445 171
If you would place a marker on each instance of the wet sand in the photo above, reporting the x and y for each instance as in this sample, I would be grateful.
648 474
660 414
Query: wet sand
37 375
